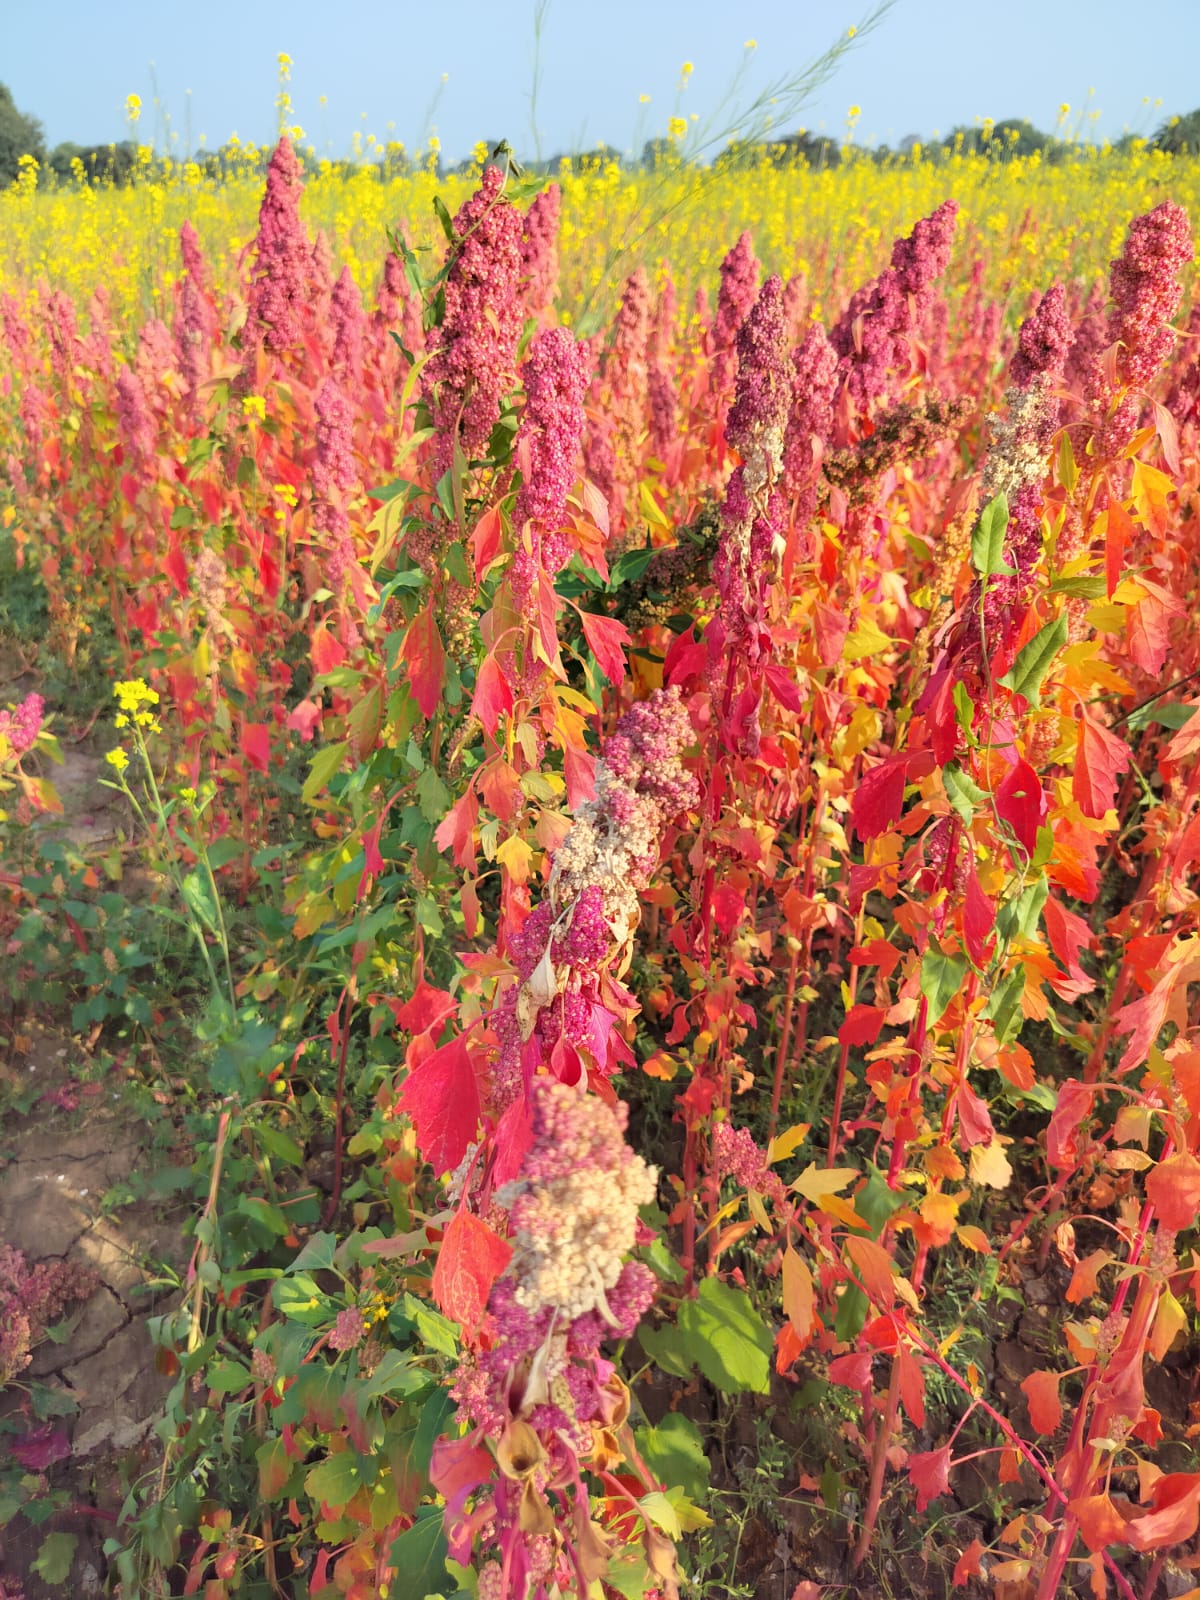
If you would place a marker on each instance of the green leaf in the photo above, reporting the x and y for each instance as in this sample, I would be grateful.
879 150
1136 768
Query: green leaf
53 1563
1004 1006
1018 919
1068 472
419 1558
455 563
665 1348
964 709
337 1479
299 1300
324 764
727 1339
1167 713
963 793
443 216
674 1452
395 1374
433 797
1035 659
941 979
1083 587
987 541
228 1377
279 1144
434 1330
662 1263
198 897
661 1513
631 566
317 1255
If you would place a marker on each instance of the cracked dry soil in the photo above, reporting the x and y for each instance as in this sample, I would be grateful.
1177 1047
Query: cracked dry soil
55 1169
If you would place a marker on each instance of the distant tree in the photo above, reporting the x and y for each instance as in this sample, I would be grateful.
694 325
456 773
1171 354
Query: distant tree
1015 136
1179 136
100 163
20 135
62 157
658 153
794 149
600 156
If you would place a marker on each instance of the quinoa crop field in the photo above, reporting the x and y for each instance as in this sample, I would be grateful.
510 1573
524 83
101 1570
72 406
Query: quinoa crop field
600 815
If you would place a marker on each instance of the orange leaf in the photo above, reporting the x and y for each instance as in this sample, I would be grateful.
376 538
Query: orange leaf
1083 1281
1176 1508
1173 1188
974 1239
1100 1523
798 1294
939 1213
1100 759
875 1269
1045 1407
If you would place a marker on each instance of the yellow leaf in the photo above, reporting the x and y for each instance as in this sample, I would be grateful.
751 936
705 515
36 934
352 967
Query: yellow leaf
815 1182
1150 490
726 1210
867 639
939 1213
516 856
834 1206
1169 1322
974 1239
990 1166
660 1065
786 1144
651 509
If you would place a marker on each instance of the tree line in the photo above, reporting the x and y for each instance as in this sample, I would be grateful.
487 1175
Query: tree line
21 135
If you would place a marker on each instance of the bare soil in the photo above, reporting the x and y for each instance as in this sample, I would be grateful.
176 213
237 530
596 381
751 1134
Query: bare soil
57 1166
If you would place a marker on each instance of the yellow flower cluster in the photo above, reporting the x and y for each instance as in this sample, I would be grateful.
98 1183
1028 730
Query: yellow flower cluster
373 1310
1029 220
134 698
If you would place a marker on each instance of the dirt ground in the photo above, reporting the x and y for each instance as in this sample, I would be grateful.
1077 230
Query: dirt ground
57 1166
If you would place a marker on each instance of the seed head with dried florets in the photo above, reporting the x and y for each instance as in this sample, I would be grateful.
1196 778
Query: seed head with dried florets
576 1218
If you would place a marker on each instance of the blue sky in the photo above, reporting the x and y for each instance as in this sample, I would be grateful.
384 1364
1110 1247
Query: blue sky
931 64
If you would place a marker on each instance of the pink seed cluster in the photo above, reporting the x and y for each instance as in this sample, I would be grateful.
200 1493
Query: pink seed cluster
539 250
474 350
739 287
736 1156
349 329
555 376
19 728
279 291
135 421
752 514
30 1299
872 334
1146 291
810 418
560 1016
